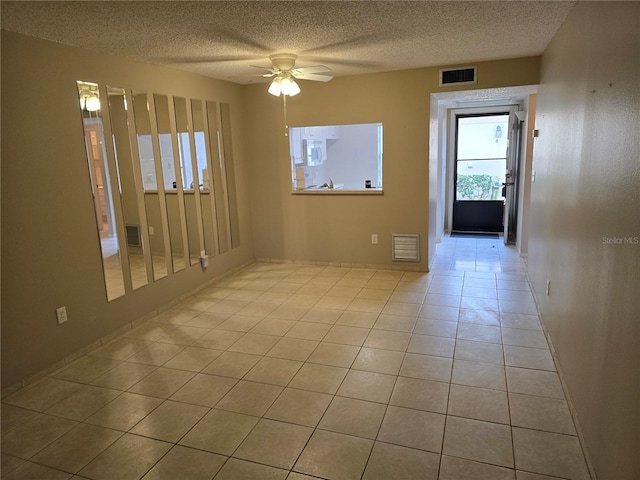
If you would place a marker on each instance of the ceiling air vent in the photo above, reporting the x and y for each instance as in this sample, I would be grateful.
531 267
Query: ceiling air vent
406 247
458 76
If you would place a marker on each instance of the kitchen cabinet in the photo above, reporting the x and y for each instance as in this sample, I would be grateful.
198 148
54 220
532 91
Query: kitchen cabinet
331 132
312 133
321 133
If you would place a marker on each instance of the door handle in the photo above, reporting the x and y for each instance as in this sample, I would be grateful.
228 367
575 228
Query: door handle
504 187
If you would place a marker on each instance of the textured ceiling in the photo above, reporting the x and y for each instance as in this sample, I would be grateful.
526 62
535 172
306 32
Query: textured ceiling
222 39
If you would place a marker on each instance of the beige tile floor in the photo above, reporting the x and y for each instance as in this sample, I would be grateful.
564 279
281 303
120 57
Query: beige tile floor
301 372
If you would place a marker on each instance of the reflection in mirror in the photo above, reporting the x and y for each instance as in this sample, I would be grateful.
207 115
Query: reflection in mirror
220 197
206 209
230 174
101 188
172 184
189 178
150 177
129 199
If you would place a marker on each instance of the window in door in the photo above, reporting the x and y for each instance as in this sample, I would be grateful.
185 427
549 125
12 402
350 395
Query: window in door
481 156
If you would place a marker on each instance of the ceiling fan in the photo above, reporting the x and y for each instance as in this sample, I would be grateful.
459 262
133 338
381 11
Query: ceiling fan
284 73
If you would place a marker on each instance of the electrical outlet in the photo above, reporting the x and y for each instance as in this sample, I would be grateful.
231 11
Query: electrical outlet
61 314
374 239
548 286
150 230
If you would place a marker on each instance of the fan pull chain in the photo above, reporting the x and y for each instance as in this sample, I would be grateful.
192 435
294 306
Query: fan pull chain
286 127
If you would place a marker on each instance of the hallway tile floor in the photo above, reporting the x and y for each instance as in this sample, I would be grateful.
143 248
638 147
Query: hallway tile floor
301 372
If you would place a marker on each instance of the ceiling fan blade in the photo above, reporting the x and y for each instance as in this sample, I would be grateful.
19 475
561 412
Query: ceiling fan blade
312 69
265 69
261 67
255 75
313 76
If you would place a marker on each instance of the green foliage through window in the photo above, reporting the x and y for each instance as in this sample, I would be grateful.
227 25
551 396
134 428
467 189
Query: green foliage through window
477 187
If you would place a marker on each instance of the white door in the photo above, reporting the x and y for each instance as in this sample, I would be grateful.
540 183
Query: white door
510 186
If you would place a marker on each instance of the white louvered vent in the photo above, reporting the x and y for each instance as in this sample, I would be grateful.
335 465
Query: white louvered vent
133 235
405 247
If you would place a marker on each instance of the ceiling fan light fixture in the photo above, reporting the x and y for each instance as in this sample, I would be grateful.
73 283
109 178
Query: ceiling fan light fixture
275 88
93 104
89 100
284 85
289 87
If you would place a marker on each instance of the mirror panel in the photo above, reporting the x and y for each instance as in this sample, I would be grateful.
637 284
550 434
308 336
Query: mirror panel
199 134
190 181
206 205
128 183
90 105
163 182
217 177
172 186
150 176
230 174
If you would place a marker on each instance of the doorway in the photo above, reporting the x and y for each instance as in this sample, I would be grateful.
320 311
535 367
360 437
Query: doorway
444 106
480 163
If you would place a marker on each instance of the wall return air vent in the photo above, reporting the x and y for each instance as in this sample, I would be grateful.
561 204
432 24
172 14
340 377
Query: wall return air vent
458 76
405 247
134 239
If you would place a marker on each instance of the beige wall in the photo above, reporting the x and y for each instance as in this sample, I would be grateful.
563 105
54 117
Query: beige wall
50 246
338 228
588 187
